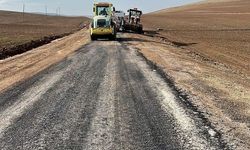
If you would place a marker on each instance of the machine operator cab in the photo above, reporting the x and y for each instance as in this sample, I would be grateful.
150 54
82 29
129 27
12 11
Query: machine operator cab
103 9
134 16
133 21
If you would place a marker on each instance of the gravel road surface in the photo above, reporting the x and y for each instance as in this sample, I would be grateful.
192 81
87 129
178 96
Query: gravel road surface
104 96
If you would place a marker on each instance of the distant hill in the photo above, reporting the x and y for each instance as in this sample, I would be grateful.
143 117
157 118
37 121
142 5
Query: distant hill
36 18
223 5
206 14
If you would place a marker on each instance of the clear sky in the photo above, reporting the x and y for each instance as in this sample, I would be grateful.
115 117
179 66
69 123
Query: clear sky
84 7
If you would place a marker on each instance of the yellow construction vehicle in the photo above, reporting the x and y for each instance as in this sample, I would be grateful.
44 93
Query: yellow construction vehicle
102 25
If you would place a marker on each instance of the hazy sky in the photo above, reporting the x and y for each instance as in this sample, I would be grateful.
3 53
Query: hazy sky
84 7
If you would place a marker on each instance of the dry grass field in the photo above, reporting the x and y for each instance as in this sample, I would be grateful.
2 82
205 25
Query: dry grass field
16 29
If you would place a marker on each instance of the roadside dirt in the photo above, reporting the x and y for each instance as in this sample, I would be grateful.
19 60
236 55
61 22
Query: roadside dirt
205 49
220 30
23 66
214 88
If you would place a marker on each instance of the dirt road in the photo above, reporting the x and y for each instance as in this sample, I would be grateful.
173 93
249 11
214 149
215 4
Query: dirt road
104 96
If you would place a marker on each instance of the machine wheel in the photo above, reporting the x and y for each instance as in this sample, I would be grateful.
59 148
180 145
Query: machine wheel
140 30
93 38
112 37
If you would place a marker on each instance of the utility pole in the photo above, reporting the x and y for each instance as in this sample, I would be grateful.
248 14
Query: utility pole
59 11
23 11
46 10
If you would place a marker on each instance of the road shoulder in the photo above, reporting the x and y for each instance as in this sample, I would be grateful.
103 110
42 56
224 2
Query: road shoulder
204 84
20 67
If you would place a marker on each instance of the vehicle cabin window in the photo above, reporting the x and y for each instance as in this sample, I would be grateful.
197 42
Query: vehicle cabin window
103 10
135 13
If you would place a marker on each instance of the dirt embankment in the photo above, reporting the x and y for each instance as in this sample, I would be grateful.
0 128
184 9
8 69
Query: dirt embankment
12 51
205 49
20 33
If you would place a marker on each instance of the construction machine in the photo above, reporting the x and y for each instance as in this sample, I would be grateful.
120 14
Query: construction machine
119 18
133 22
103 25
